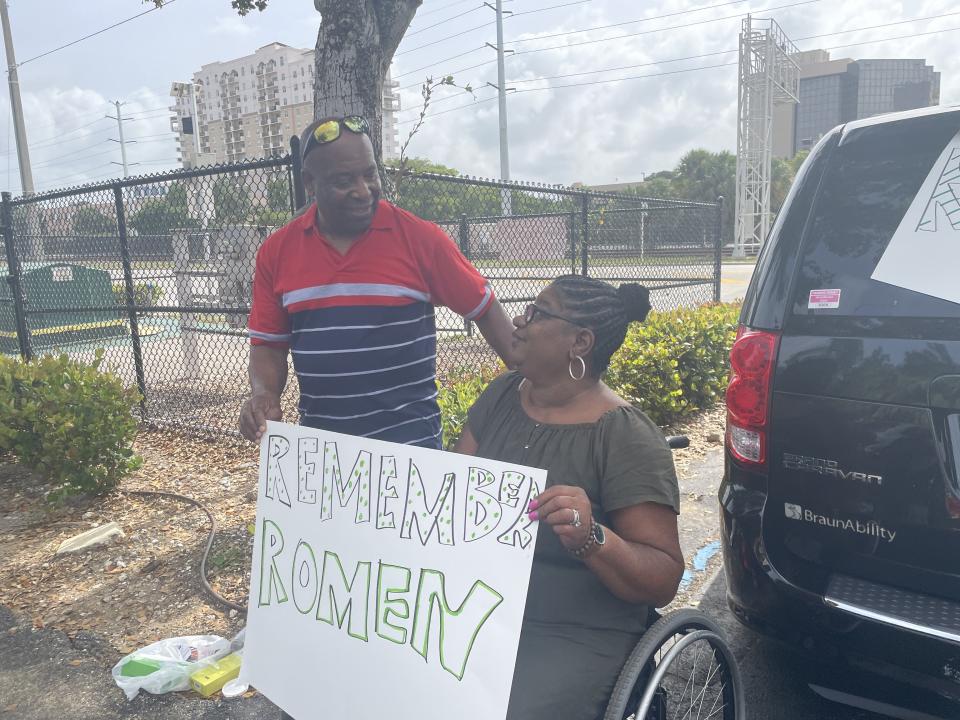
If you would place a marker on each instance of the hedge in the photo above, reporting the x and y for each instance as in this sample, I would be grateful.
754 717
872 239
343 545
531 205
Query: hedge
69 422
670 366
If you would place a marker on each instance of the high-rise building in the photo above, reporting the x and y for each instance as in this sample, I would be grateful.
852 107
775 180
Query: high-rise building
249 107
838 91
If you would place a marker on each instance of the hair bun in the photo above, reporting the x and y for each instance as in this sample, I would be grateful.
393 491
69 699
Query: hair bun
636 301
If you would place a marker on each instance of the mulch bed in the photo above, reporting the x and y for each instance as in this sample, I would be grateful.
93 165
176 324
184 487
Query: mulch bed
146 586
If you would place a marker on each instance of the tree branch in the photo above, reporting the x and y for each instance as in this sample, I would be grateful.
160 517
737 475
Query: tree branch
393 19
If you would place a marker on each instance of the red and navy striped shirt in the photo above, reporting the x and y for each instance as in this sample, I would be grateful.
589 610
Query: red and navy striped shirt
360 326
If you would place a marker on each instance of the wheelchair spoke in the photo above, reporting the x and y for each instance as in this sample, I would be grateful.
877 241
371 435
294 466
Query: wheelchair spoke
691 682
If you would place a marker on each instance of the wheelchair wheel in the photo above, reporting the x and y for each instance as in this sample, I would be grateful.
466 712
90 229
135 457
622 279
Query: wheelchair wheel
682 668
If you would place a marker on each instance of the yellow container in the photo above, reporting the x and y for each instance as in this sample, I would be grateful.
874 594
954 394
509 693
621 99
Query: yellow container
210 679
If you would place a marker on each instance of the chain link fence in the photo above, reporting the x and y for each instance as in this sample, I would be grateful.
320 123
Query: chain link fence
156 271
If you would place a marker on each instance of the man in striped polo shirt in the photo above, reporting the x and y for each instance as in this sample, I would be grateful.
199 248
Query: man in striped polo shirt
349 289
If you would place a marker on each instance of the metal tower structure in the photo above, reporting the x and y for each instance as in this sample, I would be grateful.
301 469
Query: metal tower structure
769 76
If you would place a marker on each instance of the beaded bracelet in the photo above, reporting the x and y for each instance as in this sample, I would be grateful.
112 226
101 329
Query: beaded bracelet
590 542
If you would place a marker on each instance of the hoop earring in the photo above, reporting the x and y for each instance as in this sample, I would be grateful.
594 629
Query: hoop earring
583 368
520 386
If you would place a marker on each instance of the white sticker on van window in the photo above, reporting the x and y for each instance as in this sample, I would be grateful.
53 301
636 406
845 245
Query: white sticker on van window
824 299
926 245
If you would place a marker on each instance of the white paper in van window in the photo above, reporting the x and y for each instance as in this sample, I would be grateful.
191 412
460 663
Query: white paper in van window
924 252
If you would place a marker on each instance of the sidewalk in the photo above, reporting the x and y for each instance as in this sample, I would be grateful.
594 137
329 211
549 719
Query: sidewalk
43 676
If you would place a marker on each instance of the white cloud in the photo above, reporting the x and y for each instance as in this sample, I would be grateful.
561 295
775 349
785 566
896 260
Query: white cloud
233 26
618 130
593 133
72 141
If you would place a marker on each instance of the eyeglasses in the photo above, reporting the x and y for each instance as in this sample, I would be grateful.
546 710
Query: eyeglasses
533 310
329 131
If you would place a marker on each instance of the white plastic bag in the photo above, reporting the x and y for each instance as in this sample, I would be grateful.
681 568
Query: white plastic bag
175 660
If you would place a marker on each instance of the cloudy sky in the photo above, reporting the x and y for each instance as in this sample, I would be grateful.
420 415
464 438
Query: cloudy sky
605 90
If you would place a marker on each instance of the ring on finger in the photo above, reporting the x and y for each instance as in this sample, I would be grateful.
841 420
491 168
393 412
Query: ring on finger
576 518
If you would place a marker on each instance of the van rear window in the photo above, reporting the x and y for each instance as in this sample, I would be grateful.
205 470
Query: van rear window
867 188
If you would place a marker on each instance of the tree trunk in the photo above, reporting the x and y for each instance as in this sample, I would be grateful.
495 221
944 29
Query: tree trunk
355 45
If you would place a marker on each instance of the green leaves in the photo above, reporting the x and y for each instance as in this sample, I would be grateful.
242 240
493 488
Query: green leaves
670 366
457 396
69 422
675 363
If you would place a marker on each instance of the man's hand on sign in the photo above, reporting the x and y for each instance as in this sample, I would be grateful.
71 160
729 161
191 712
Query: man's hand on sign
255 412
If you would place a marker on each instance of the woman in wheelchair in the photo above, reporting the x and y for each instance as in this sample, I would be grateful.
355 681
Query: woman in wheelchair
608 546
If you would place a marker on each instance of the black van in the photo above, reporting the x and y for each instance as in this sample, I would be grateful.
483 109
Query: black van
841 491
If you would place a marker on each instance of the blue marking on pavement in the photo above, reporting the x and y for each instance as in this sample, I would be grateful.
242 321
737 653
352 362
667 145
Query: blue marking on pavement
700 561
704 554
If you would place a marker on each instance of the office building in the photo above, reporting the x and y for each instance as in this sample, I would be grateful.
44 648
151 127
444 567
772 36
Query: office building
838 91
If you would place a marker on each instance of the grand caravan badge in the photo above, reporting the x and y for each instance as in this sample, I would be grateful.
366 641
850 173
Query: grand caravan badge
820 466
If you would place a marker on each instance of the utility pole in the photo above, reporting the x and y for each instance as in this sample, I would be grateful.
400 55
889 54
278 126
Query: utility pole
123 146
23 153
502 102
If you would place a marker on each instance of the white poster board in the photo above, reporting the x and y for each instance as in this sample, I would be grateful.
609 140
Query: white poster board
388 581
924 252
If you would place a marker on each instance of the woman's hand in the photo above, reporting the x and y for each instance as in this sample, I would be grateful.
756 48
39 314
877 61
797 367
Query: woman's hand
559 506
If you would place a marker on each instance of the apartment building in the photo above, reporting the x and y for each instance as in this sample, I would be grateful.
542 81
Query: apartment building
249 107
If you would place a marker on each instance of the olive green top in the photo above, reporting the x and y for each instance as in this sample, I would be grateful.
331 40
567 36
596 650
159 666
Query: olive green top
620 460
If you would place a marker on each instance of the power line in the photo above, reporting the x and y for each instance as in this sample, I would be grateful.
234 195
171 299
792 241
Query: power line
74 174
94 34
149 110
733 50
574 32
479 27
165 135
443 22
86 181
708 67
445 7
444 39
595 82
59 159
56 139
656 30
642 32
633 22
552 7
675 27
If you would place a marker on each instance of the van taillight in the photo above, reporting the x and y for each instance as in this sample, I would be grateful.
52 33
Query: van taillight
752 358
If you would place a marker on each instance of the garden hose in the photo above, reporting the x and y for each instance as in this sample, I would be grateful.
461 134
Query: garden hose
206 551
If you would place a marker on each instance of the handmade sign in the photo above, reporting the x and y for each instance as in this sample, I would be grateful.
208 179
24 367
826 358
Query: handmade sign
927 241
387 580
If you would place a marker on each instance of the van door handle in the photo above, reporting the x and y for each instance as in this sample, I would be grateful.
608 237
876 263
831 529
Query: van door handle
944 392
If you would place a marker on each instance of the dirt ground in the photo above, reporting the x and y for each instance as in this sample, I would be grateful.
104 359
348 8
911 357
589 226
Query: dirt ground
146 586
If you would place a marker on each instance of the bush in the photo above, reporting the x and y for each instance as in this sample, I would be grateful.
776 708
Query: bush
145 294
69 422
457 394
670 366
676 362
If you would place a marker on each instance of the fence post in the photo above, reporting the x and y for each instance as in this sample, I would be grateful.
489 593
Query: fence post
572 233
299 198
131 298
585 238
717 248
464 233
14 277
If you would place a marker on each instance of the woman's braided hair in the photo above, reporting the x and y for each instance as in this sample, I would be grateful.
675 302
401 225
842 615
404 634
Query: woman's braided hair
605 309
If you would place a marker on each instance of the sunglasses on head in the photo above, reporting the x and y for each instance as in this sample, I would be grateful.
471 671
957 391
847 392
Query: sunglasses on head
327 132
533 311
